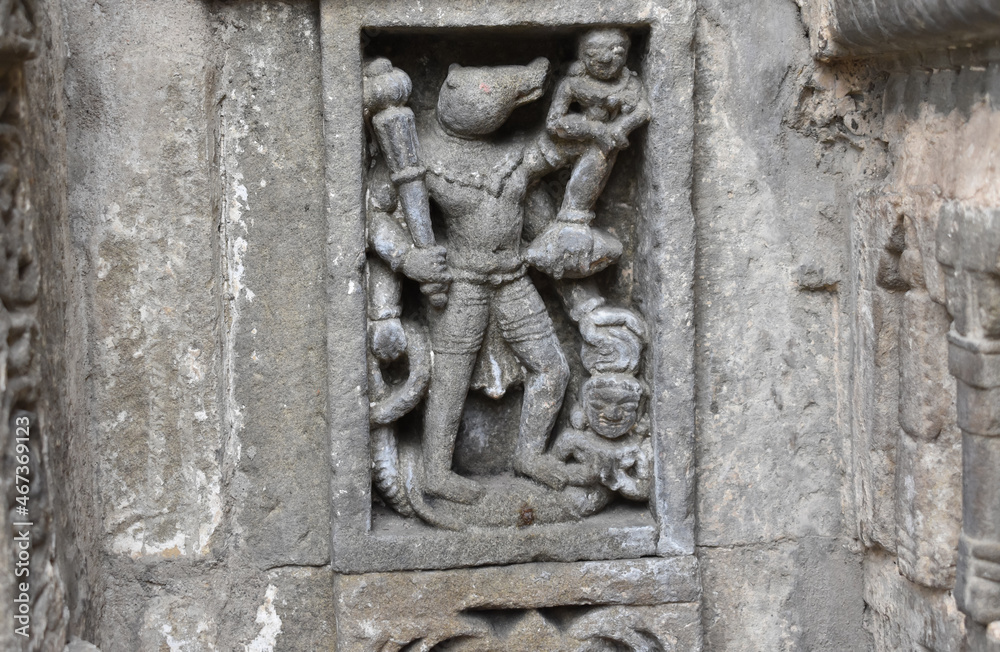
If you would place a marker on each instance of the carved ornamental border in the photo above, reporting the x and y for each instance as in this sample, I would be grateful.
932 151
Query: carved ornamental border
664 262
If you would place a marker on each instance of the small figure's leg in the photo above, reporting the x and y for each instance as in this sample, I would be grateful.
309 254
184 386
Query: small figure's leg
526 326
457 336
586 183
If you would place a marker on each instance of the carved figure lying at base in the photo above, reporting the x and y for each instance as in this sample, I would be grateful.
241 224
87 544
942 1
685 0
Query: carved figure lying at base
607 443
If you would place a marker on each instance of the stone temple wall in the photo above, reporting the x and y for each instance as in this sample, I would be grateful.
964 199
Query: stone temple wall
918 91
192 191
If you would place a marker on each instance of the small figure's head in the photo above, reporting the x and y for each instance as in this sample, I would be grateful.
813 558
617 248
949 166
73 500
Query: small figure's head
611 403
476 101
603 52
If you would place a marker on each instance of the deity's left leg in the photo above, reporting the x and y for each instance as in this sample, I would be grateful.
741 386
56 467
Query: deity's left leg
526 326
586 183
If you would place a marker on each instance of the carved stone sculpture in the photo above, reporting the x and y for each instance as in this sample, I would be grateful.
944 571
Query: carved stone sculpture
489 326
407 246
606 441
968 247
612 104
482 336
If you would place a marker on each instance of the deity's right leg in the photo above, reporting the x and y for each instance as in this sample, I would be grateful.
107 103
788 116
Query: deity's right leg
456 338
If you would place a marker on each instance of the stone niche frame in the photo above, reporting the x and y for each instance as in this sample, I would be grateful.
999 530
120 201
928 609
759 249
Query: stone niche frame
664 269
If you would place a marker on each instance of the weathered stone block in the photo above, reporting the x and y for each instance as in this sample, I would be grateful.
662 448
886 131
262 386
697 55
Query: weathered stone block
928 516
140 188
272 253
902 615
635 605
297 611
793 595
176 621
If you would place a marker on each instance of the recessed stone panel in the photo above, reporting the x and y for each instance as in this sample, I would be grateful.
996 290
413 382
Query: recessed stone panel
510 257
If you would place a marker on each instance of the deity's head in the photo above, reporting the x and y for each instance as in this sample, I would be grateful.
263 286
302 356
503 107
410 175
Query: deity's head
603 52
611 403
476 101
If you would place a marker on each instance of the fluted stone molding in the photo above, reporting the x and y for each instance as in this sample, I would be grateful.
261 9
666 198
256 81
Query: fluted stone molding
968 248
858 27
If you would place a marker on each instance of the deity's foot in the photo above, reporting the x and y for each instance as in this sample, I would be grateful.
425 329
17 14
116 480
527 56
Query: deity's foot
580 475
453 487
547 470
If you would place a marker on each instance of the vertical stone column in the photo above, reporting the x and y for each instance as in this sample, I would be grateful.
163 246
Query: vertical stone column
926 455
968 247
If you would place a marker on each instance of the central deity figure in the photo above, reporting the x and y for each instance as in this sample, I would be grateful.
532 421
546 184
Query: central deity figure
484 219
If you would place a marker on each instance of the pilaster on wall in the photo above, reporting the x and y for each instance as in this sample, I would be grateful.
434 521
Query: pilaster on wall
968 248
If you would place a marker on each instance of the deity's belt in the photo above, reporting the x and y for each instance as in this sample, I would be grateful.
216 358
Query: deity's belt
488 278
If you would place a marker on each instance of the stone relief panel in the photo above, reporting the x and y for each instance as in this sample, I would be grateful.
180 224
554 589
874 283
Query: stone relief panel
519 208
488 325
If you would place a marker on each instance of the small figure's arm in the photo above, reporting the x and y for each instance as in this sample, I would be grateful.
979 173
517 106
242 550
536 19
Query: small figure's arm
563 124
631 117
576 126
388 239
394 252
